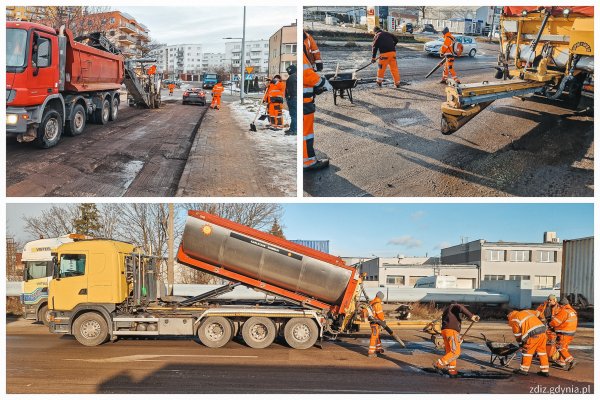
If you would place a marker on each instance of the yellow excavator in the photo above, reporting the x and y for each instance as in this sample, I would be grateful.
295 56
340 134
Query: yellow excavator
545 51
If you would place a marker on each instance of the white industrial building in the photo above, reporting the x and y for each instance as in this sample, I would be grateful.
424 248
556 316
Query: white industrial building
179 58
257 55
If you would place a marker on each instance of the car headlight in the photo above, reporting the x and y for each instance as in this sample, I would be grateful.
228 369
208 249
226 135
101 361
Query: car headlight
12 119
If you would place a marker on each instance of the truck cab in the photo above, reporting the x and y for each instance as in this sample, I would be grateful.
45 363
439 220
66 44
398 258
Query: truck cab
209 81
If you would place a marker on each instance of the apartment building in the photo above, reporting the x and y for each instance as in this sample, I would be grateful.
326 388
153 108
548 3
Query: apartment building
538 262
256 55
179 59
25 13
213 61
122 30
282 50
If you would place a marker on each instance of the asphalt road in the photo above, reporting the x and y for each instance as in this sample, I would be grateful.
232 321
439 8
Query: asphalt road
39 362
388 142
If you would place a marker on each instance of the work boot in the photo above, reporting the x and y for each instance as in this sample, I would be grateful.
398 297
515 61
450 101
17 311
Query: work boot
457 81
519 371
544 373
378 83
572 365
380 351
289 132
562 365
320 164
398 85
453 373
444 81
372 355
438 367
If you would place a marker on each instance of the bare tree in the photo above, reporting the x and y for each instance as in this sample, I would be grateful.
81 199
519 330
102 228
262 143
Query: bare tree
422 11
54 222
79 19
150 47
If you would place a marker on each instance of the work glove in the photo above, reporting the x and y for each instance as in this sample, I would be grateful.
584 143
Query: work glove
475 318
373 60
319 66
327 86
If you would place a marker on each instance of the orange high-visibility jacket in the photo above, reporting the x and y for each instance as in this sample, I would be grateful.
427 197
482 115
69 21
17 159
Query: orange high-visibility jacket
565 321
310 81
276 89
171 86
312 50
377 307
447 46
524 324
218 89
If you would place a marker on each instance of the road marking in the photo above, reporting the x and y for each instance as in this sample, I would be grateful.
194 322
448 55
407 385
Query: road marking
147 357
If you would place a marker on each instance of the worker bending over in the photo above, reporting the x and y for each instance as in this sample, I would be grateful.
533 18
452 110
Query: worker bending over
313 84
377 308
385 44
312 52
451 326
565 325
448 51
545 312
217 91
530 333
274 100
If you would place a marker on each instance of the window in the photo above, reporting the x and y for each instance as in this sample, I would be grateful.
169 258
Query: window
497 255
520 255
547 256
289 49
394 280
38 269
519 278
468 40
544 282
43 51
112 20
494 277
72 265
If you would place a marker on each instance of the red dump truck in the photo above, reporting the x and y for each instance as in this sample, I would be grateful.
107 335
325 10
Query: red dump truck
314 293
55 83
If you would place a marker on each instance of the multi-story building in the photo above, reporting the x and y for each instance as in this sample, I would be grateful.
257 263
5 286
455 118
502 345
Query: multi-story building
122 30
25 13
213 61
538 262
256 56
282 50
178 59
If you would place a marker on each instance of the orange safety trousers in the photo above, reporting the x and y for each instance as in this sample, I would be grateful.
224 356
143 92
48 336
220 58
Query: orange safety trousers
216 101
452 346
388 60
309 138
449 68
276 114
375 341
563 347
535 344
550 343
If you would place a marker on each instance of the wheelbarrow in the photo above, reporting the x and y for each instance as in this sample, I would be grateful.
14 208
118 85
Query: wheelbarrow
342 84
501 352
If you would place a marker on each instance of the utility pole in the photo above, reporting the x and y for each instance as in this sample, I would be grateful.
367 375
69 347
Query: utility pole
243 60
171 259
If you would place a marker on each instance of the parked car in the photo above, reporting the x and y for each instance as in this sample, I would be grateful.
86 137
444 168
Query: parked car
406 28
469 46
428 28
194 96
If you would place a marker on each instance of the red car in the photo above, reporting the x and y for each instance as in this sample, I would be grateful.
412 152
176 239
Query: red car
194 96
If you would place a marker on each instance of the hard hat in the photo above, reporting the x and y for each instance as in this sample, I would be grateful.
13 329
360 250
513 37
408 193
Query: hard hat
291 69
445 30
551 297
380 295
564 301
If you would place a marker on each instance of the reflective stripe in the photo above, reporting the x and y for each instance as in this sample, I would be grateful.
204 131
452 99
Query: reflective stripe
307 66
308 90
541 354
310 159
309 136
518 334
527 355
567 333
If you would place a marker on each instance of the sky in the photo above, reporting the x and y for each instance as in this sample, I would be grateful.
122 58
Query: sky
389 230
208 25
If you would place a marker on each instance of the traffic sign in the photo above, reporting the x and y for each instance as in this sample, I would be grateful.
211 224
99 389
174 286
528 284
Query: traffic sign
249 69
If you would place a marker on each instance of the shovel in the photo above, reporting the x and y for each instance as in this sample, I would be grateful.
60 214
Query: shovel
263 116
435 68
465 334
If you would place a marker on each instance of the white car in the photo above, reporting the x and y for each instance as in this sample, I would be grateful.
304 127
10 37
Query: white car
468 42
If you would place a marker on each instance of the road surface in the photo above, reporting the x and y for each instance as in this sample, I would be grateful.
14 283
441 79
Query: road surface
388 142
39 362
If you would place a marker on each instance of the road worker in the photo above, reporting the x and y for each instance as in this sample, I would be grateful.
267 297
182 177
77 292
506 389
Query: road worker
217 91
377 308
530 332
565 325
312 52
171 88
385 44
291 85
448 51
451 326
151 70
545 312
313 84
274 100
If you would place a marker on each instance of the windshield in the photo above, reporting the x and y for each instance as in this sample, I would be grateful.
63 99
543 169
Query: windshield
38 269
211 76
16 47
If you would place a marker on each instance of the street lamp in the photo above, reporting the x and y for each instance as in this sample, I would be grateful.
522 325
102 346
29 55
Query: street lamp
242 59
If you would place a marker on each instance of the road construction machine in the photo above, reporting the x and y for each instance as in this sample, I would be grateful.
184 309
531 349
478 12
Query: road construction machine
544 51
56 82
106 289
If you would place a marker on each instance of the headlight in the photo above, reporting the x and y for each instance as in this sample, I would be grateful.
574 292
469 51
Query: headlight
566 12
12 119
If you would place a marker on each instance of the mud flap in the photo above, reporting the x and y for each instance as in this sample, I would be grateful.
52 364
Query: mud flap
29 136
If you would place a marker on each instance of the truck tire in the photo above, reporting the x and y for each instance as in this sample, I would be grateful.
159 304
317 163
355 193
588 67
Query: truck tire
50 129
102 114
301 333
114 108
90 329
44 315
259 332
77 122
215 332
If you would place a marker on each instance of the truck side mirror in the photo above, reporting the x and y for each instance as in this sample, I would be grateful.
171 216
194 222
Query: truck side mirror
25 273
34 54
55 267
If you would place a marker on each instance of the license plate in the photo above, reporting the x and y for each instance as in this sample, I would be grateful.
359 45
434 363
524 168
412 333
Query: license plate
193 94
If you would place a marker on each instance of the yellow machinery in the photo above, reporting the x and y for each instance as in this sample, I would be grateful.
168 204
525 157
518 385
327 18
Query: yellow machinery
547 51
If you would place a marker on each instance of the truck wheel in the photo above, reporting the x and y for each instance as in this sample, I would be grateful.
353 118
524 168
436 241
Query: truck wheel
77 122
44 315
215 332
301 333
114 108
50 129
102 114
259 332
90 329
